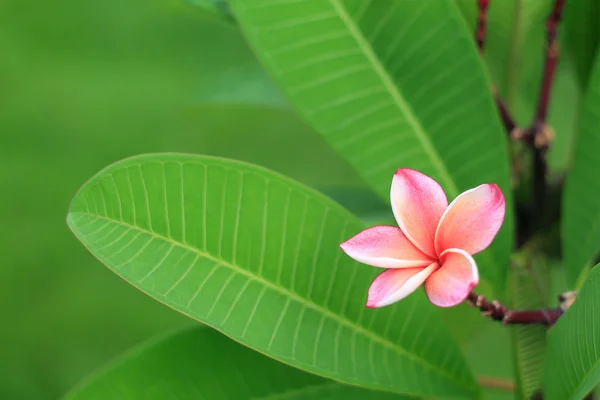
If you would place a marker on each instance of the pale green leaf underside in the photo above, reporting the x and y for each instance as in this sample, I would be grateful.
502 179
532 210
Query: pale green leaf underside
572 365
389 84
581 208
201 363
257 256
529 290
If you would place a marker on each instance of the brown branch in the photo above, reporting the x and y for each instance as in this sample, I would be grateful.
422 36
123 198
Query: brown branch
540 135
501 313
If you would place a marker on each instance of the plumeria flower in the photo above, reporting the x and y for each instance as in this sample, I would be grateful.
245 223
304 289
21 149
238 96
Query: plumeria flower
434 243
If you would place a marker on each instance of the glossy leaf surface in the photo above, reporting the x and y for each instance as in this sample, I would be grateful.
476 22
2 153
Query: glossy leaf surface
256 255
201 363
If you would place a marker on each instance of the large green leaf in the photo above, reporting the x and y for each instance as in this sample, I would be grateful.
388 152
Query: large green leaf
201 363
572 366
529 285
581 209
257 256
582 34
383 83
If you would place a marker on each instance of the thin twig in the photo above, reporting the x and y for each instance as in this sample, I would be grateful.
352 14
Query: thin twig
496 383
540 135
503 314
481 23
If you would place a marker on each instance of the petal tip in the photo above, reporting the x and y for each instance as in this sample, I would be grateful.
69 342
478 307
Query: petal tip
371 304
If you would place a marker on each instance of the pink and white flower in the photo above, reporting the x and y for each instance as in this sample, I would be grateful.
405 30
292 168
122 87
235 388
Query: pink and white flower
434 242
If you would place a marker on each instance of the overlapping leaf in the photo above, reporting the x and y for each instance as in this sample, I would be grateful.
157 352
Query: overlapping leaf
389 85
529 290
201 363
581 209
572 366
257 256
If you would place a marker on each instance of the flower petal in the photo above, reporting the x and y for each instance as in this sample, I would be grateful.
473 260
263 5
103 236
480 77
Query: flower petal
472 220
395 284
385 247
452 283
418 203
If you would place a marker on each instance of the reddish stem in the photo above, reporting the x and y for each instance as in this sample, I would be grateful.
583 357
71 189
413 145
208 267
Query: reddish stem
481 23
552 53
507 119
501 313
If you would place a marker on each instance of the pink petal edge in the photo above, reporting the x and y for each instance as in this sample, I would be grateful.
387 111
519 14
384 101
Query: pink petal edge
385 247
418 203
451 284
472 220
393 285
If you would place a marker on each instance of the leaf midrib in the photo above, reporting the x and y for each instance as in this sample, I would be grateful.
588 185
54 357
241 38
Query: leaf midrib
389 84
392 89
325 311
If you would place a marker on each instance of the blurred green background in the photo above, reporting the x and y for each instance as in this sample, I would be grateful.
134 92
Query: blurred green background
84 84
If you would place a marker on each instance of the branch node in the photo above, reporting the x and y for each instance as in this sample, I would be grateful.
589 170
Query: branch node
499 312
544 136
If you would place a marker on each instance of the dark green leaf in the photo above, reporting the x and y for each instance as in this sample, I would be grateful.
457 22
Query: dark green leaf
581 209
572 366
582 34
256 255
201 363
389 84
514 43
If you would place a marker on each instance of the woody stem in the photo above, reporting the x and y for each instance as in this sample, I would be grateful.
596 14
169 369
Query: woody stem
507 316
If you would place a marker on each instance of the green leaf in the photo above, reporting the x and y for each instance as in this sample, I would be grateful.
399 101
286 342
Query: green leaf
514 44
201 363
582 34
581 209
515 55
219 8
256 256
529 284
573 358
389 85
